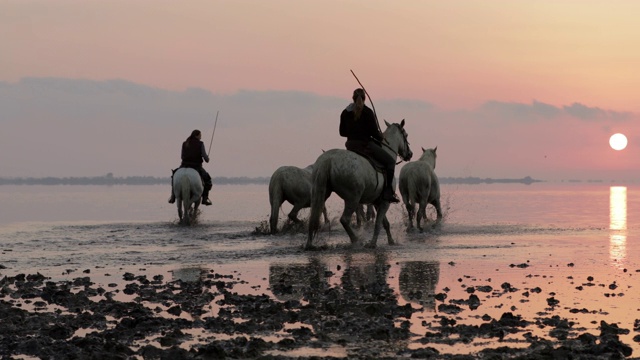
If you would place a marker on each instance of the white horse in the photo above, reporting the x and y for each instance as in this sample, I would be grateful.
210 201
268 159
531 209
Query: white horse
292 184
419 185
187 186
356 181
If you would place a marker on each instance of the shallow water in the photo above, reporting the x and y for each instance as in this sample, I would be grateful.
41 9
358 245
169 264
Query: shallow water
551 236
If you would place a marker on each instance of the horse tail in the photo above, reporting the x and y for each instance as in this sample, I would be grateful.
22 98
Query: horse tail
408 187
319 191
413 190
185 191
276 199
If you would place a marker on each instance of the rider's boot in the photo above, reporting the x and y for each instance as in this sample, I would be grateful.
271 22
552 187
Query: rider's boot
205 197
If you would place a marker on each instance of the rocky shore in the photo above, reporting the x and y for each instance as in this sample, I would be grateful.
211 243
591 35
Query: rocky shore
136 317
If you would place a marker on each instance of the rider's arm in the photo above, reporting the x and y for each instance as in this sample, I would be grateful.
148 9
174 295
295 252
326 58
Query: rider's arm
203 151
344 128
372 125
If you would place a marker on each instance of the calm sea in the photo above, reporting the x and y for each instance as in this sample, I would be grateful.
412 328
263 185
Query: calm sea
575 242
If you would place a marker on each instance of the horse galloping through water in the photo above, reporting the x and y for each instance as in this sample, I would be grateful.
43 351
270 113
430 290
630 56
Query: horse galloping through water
292 184
356 181
187 186
419 185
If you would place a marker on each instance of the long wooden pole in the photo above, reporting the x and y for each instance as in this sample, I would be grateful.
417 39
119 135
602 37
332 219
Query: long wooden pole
371 101
214 132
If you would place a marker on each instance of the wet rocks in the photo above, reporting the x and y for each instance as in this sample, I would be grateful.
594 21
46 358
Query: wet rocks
185 320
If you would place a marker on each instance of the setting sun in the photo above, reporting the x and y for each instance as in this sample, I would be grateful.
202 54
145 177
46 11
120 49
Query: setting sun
618 141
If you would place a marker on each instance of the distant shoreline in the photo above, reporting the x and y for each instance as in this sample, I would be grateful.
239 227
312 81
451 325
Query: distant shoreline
150 180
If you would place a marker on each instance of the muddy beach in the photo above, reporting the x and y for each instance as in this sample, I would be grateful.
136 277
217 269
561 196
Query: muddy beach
302 311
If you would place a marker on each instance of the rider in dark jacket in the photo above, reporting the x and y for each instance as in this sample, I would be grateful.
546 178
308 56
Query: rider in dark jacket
192 154
359 125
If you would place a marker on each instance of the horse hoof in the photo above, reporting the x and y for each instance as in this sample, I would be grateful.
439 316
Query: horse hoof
370 246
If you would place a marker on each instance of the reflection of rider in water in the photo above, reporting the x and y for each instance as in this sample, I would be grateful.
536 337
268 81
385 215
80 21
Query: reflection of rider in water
359 125
193 153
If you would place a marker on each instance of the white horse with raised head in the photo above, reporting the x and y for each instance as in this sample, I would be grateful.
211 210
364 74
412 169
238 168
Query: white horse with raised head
187 186
292 184
356 181
419 185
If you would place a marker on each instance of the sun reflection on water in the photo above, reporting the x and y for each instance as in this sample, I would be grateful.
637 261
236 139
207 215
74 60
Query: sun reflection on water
618 224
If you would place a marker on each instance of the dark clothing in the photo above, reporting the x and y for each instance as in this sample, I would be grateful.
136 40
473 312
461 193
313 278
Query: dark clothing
361 130
364 137
193 153
379 153
206 179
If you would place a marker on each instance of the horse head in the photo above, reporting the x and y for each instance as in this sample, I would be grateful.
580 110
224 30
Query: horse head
397 136
429 156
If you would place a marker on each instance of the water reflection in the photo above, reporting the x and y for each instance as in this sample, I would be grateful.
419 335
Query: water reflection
189 274
292 281
365 270
618 224
418 281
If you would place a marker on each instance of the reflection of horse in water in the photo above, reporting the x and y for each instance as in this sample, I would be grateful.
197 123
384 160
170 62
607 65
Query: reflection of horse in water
356 181
187 186
418 281
419 184
366 270
292 281
292 184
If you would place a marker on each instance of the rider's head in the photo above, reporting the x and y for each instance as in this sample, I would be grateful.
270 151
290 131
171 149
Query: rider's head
358 94
196 134
358 100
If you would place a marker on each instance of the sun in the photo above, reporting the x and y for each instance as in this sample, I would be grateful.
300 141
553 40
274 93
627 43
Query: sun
618 141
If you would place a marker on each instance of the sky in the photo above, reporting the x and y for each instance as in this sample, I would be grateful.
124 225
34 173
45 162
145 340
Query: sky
504 89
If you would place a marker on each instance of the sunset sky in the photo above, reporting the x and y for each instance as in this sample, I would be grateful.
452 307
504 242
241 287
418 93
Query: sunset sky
503 88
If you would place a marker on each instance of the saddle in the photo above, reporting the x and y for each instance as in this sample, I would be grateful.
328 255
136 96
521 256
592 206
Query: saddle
377 166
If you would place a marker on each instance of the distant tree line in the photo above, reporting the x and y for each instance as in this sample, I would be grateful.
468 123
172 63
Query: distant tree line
109 179
475 180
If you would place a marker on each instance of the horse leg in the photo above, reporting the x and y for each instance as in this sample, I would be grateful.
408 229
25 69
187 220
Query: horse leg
276 202
293 214
387 228
324 212
436 204
180 214
195 209
382 212
359 216
411 212
185 212
371 214
345 220
421 215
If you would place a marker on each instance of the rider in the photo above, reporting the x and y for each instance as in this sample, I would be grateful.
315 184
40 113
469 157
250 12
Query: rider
193 152
359 125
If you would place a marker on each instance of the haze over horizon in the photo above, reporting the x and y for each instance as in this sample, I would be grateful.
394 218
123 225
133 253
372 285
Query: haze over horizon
505 90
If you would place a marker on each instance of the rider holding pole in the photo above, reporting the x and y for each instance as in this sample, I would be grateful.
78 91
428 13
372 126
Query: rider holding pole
359 125
193 153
